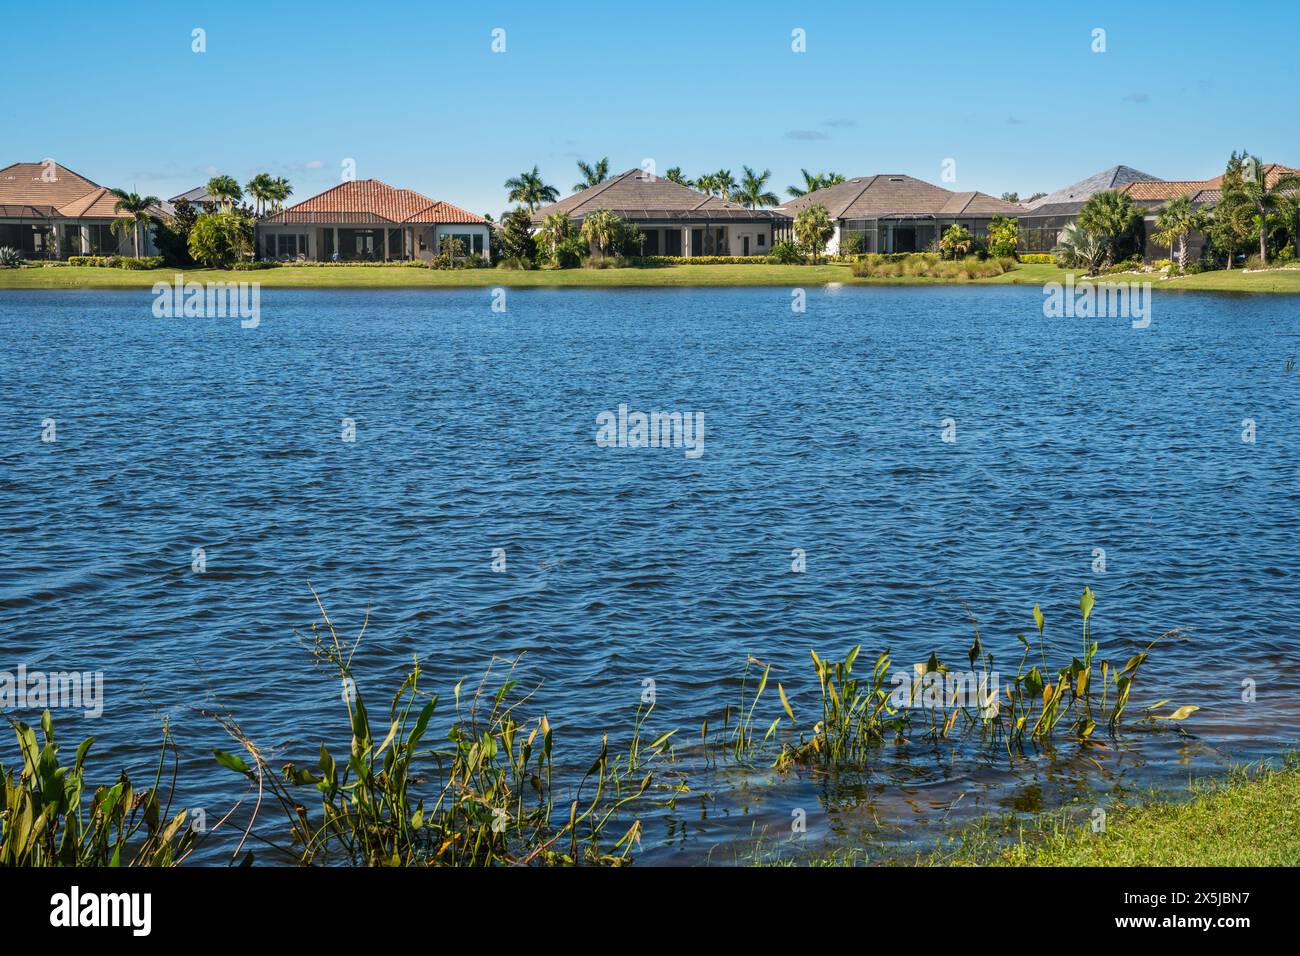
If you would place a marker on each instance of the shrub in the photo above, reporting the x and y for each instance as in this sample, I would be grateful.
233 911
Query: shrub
10 258
219 239
1037 258
117 262
785 252
1003 236
255 266
928 265
516 264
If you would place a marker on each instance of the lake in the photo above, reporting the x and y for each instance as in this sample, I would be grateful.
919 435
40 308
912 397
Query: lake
926 454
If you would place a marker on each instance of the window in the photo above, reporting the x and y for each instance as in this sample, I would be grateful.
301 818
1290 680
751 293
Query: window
762 239
672 242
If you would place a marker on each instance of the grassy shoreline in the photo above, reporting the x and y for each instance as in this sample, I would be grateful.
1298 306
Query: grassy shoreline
1286 281
1251 818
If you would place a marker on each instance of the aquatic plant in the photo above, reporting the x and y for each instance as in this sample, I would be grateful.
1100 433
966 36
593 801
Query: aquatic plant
860 713
43 823
487 799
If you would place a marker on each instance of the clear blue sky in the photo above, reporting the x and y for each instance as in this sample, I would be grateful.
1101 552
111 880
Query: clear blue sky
413 93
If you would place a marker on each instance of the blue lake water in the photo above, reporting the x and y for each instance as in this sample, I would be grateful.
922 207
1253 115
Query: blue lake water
475 430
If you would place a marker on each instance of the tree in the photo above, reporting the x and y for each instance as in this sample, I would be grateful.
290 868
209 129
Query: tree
813 182
1011 197
752 189
592 175
1003 236
137 212
1111 218
1263 197
172 236
517 241
225 191
555 229
260 188
1034 198
280 191
1175 221
1076 247
220 239
529 189
957 241
674 175
724 183
705 183
813 229
600 230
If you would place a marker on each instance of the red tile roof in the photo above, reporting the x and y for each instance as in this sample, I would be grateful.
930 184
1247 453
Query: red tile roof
58 189
369 200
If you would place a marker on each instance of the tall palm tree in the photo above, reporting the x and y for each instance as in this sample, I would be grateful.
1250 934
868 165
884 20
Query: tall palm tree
724 183
554 229
1076 247
1175 221
1110 217
592 175
260 188
599 230
529 189
752 189
706 183
280 191
1263 197
813 182
225 190
674 175
137 209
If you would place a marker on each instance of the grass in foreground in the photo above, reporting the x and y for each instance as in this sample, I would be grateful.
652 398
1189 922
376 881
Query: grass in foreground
683 276
1250 819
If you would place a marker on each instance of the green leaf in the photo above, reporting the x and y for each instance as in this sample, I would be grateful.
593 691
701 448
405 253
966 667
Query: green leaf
1038 618
230 761
1086 602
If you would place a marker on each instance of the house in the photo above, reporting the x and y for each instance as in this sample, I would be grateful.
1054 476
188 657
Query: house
890 212
370 221
675 219
1202 194
1043 219
49 212
198 196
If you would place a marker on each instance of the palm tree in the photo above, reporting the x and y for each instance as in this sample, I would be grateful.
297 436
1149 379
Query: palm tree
280 191
260 188
592 175
1110 217
957 241
1175 221
752 192
705 183
529 189
674 175
137 209
554 229
1076 247
813 182
1264 197
225 190
813 229
599 230
724 183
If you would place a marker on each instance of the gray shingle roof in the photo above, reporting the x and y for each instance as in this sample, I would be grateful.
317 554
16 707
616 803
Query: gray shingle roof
893 195
1101 182
637 195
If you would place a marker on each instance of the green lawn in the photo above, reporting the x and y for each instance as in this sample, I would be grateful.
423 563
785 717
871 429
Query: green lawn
368 277
1251 819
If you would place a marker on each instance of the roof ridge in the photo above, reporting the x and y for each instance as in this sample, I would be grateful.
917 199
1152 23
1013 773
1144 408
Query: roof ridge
600 187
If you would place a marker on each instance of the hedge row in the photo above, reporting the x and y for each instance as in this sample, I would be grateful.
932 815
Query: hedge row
118 262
